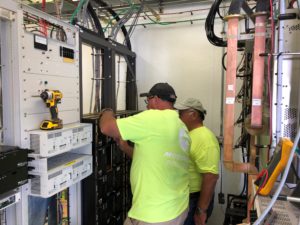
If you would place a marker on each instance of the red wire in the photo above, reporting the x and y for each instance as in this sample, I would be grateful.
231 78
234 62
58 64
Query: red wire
260 175
42 22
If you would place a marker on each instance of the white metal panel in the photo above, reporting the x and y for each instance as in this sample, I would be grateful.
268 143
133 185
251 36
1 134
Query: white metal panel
290 78
29 71
48 62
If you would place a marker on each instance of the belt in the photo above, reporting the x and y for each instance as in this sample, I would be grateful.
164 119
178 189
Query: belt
195 194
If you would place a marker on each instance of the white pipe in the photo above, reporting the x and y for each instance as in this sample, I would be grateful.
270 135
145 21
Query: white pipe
279 73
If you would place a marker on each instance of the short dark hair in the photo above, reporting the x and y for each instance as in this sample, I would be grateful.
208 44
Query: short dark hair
201 114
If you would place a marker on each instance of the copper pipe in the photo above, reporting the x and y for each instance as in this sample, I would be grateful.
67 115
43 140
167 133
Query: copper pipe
230 88
253 149
258 71
250 194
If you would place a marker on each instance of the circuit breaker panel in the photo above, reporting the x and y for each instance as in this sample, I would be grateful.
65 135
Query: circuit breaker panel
41 102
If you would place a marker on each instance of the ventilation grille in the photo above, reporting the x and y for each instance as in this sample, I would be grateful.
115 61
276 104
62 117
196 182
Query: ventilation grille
281 212
36 185
35 142
77 164
54 174
59 134
290 123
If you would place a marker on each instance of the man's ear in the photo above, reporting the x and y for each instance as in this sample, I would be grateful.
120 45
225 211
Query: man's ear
156 100
194 115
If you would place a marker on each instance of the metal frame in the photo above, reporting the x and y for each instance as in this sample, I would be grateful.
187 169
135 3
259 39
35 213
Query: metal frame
110 49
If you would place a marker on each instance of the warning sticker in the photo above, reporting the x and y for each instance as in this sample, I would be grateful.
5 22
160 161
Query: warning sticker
256 101
229 101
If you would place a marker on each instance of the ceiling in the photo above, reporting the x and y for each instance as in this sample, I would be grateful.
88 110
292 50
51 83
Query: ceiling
70 5
153 3
122 8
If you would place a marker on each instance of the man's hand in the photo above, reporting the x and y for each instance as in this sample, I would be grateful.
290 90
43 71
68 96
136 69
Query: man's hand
107 123
200 219
106 111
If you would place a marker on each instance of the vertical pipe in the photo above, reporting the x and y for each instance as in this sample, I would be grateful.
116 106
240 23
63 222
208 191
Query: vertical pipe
230 87
1 108
222 90
279 73
258 71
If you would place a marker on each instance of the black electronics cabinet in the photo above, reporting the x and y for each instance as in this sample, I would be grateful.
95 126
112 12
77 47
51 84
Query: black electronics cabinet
13 167
106 194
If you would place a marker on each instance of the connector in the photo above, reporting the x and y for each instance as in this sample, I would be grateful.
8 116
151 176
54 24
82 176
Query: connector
30 151
30 159
30 176
30 168
221 198
253 216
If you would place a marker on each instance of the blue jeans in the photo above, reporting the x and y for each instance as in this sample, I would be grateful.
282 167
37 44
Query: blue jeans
38 209
193 205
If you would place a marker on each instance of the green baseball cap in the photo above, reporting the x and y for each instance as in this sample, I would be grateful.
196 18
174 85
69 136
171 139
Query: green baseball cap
190 103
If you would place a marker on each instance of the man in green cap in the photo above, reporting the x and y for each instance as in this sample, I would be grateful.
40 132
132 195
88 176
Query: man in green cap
205 157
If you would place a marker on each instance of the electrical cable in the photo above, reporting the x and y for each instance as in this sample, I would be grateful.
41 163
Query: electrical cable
90 23
264 173
98 57
240 63
93 80
114 14
118 81
60 33
223 61
120 23
167 23
96 20
219 14
80 4
157 22
110 21
209 26
133 25
84 12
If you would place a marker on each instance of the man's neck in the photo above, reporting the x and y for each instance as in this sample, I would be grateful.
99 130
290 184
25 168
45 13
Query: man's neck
164 105
195 126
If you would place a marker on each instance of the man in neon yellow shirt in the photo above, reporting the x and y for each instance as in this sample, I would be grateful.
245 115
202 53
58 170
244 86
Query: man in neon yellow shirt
160 158
205 157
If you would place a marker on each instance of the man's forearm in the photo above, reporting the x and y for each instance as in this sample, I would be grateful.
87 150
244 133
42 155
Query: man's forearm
207 189
108 124
125 147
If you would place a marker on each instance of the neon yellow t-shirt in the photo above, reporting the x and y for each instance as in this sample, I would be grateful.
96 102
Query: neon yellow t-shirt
204 154
159 169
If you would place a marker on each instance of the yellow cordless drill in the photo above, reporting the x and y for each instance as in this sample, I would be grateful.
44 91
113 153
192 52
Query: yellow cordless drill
51 98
